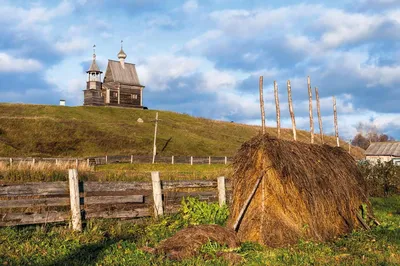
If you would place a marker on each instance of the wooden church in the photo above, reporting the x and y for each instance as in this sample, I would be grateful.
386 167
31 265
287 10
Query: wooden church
120 86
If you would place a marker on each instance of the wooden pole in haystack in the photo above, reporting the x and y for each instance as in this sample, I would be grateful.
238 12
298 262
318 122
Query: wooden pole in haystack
262 105
278 110
289 89
310 109
319 115
155 138
335 121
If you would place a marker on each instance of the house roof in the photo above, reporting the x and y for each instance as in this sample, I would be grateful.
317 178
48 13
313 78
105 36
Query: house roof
384 148
94 67
124 74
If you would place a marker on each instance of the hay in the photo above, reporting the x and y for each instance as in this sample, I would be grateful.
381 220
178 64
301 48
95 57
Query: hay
187 242
307 192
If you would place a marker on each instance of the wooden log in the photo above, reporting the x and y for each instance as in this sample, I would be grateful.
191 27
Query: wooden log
321 133
226 160
247 203
34 189
106 159
172 159
33 161
289 89
209 159
138 212
335 121
157 194
221 191
74 198
191 160
11 162
131 159
262 105
310 109
278 110
76 163
11 219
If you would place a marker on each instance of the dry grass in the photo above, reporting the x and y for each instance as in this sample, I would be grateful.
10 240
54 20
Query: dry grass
308 191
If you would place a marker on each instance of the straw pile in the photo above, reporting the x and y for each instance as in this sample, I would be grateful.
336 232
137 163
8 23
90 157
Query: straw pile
307 192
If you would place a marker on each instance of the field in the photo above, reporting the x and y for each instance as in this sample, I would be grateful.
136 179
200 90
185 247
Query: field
118 243
57 131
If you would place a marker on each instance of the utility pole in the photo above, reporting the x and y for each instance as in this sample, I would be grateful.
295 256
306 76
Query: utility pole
155 138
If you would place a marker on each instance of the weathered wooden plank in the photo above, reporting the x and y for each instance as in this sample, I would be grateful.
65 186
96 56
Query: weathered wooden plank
115 186
113 199
34 189
9 219
189 184
22 203
139 212
74 199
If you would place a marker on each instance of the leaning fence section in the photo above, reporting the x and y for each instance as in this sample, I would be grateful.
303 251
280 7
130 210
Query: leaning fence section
48 202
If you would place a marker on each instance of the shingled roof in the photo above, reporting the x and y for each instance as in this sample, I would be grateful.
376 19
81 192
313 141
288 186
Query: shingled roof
384 148
123 74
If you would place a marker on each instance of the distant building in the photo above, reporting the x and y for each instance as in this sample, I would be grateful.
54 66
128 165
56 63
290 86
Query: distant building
120 87
384 151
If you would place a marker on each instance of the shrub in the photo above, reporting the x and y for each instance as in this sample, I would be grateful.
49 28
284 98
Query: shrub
195 212
383 178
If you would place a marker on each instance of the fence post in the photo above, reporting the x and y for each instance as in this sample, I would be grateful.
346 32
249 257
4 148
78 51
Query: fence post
106 159
76 163
209 159
191 160
172 160
88 162
157 194
226 160
74 199
221 191
33 161
11 162
131 159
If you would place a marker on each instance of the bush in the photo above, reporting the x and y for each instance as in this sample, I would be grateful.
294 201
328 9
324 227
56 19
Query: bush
195 212
383 178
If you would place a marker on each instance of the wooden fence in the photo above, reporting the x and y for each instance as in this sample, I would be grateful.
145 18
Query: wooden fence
48 202
122 159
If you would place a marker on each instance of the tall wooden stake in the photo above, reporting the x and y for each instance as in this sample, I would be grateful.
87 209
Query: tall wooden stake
74 200
262 105
278 110
319 115
155 138
289 89
310 110
335 121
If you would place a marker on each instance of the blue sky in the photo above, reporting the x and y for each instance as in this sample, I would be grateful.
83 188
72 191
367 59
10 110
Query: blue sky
204 58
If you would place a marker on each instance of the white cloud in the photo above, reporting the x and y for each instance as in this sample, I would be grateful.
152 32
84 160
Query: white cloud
157 71
12 64
190 6
215 80
74 45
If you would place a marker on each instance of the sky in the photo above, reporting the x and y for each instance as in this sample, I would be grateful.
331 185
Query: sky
204 57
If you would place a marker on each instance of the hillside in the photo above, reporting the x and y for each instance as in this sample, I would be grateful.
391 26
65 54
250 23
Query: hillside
43 130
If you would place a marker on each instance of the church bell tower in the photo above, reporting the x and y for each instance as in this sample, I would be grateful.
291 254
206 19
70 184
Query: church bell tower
93 94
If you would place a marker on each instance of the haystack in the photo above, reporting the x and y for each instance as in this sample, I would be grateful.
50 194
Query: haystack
309 192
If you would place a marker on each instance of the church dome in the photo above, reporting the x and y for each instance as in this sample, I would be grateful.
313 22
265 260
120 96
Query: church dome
122 54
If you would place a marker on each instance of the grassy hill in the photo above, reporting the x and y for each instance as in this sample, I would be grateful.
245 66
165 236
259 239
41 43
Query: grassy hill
43 130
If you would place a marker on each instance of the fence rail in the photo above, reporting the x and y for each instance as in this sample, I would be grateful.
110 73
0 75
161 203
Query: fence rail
48 202
122 159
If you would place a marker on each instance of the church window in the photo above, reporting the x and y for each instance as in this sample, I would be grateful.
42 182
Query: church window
133 96
115 94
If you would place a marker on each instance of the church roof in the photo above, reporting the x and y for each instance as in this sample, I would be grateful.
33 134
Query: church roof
123 74
384 148
122 54
94 67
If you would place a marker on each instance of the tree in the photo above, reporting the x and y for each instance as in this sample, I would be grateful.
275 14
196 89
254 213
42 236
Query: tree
367 133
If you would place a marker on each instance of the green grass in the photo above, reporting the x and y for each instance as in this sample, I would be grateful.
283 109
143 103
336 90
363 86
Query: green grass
47 131
118 243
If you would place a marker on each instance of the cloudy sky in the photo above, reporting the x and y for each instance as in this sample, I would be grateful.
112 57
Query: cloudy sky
204 57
